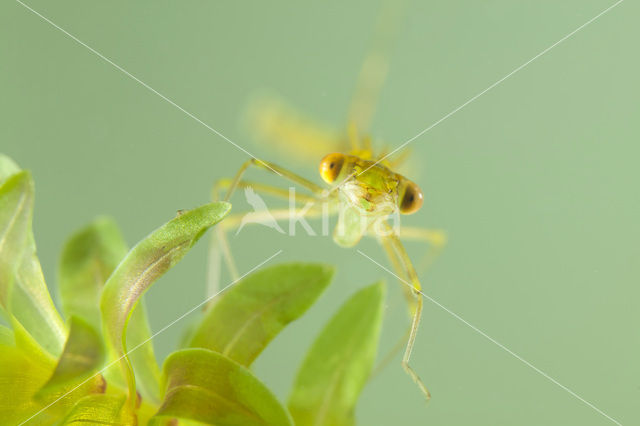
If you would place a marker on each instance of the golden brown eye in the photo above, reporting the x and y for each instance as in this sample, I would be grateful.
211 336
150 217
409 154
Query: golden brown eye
410 198
330 167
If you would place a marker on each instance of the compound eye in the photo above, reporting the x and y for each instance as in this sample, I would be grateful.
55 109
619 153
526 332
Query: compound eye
410 198
330 167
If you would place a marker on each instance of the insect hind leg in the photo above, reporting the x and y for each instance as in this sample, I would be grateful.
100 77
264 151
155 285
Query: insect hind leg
407 275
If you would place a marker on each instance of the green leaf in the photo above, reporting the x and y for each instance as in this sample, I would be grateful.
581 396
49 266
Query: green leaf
339 363
205 386
97 409
32 304
245 318
8 167
16 201
82 355
25 342
88 259
144 264
23 292
6 336
143 359
20 378
24 369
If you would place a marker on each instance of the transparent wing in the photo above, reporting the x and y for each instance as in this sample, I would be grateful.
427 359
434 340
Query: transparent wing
373 72
274 122
402 161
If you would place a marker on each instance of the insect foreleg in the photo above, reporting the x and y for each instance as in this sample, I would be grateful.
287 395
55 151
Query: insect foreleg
315 189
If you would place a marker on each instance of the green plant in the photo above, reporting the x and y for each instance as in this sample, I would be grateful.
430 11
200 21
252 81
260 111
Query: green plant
97 365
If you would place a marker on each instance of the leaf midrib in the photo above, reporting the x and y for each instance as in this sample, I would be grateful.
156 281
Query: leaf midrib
350 350
250 320
240 407
18 209
142 277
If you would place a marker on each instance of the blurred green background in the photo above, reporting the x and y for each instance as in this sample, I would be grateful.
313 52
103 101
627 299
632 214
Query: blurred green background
536 182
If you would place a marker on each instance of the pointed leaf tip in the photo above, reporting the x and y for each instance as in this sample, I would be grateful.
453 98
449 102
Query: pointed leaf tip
339 362
8 167
23 292
142 266
88 259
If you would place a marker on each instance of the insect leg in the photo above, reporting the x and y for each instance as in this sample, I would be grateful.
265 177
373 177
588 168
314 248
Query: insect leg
436 238
233 221
273 190
218 248
315 189
415 301
398 267
219 244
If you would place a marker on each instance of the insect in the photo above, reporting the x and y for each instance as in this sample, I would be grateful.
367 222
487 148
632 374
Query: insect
363 188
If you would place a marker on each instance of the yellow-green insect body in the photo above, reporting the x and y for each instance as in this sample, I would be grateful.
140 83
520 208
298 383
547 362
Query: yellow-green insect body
364 190
368 192
366 195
